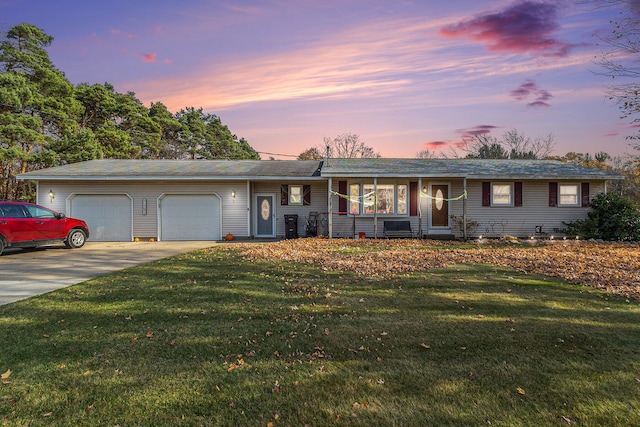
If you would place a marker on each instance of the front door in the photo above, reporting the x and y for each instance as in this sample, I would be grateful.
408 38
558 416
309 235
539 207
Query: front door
265 215
439 205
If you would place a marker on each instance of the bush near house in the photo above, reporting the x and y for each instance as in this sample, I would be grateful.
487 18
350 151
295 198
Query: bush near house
611 217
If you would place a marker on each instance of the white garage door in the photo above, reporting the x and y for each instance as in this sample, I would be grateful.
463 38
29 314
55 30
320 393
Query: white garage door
190 217
107 215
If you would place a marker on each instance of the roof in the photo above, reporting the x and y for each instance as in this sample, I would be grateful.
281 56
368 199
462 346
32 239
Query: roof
144 170
118 170
462 168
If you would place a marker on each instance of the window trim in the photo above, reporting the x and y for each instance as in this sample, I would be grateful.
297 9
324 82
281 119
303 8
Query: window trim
511 195
578 202
376 186
300 194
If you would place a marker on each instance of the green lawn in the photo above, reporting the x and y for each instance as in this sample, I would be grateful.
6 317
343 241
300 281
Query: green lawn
207 338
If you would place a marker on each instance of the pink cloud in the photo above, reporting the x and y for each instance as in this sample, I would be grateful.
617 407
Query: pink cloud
476 130
529 88
622 128
441 145
148 57
433 145
522 28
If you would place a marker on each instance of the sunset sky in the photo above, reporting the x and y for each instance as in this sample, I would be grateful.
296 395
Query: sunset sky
405 75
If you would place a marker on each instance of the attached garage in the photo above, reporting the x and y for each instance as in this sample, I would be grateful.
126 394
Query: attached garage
109 216
190 217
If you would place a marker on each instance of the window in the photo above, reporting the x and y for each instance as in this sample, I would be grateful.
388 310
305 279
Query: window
37 212
568 195
295 195
383 199
501 195
354 199
402 199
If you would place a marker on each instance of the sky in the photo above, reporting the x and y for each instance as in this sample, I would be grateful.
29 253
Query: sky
403 75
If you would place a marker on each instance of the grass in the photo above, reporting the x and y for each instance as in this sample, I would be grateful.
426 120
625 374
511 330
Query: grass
207 338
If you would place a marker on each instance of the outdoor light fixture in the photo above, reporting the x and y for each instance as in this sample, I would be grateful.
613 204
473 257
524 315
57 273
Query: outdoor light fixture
52 195
233 194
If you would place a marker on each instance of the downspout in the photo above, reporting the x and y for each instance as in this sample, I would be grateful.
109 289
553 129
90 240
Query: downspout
330 208
249 234
464 209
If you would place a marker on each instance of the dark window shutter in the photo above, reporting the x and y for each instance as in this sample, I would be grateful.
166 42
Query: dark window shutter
342 200
517 196
284 195
413 199
486 194
553 194
585 194
306 194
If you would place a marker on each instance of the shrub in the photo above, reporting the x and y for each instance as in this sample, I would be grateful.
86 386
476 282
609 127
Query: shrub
611 218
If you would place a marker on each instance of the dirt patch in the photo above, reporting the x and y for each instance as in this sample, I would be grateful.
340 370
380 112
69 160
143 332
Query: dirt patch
614 267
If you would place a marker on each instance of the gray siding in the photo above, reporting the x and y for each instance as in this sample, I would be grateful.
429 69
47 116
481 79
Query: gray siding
318 203
521 221
234 211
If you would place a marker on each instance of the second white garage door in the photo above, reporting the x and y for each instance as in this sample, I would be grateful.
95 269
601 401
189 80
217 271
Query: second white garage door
190 217
107 215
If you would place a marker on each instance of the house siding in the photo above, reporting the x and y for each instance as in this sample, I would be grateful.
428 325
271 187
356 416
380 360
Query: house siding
317 204
519 221
234 211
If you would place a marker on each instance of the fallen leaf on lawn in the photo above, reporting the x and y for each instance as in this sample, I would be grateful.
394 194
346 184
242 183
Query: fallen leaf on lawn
521 391
567 420
149 334
48 414
5 377
427 346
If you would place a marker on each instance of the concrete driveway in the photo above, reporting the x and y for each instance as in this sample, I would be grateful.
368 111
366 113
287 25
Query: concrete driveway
24 274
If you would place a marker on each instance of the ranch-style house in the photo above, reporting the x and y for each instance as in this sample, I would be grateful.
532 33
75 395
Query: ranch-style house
125 200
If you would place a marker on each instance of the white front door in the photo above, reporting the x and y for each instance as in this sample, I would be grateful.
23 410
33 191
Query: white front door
265 215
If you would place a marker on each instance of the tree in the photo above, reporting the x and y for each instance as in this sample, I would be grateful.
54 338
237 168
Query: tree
348 146
37 106
619 59
512 145
203 136
425 154
310 154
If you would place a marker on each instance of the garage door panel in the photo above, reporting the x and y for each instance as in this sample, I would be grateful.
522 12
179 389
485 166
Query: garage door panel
108 216
190 217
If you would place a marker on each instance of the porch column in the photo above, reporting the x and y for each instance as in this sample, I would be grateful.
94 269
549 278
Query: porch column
464 209
330 208
420 207
375 208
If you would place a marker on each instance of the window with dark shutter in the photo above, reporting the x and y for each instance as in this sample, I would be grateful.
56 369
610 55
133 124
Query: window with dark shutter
342 199
284 195
553 194
585 194
413 199
486 194
517 194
